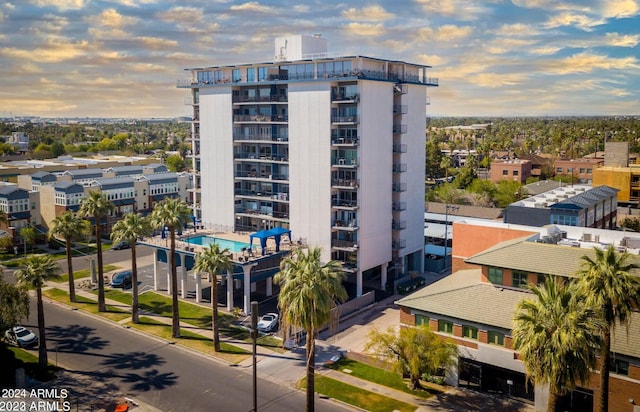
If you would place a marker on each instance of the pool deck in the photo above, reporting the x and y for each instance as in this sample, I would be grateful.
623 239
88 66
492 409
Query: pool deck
183 246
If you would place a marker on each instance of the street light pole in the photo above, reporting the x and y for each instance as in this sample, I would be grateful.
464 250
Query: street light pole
254 338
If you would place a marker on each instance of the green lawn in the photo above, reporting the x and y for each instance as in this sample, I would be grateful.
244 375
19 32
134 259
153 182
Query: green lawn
381 376
85 273
88 305
228 352
196 315
361 398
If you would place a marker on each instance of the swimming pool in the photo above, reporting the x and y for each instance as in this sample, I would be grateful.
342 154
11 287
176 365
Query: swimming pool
232 245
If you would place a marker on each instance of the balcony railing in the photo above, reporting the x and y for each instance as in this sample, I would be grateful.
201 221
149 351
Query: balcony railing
260 118
348 244
279 196
348 224
399 206
261 175
399 148
398 244
260 137
254 156
344 203
262 212
345 119
398 224
345 98
399 109
350 141
352 183
399 128
280 98
399 187
344 162
399 167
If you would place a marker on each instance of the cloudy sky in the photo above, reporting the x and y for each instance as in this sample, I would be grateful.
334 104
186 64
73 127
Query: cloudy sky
121 58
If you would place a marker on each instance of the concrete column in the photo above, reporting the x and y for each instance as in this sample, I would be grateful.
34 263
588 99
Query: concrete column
168 277
383 276
229 290
198 286
247 287
183 277
359 283
156 269
269 286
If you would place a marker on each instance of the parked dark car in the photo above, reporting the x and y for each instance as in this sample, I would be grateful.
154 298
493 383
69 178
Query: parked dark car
122 280
121 245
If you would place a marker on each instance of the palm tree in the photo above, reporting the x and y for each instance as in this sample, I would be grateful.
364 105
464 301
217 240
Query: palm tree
606 283
214 260
557 337
129 229
308 293
68 226
97 206
38 270
172 214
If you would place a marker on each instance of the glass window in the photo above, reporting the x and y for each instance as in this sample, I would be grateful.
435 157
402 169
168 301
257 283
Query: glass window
251 74
422 320
262 74
559 170
619 366
495 276
470 332
445 326
589 170
515 173
582 170
519 279
496 338
505 173
235 75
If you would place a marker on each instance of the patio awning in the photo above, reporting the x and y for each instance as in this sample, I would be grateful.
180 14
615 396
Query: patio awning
263 235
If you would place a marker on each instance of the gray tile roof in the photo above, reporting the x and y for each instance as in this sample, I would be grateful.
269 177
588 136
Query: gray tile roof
465 297
536 257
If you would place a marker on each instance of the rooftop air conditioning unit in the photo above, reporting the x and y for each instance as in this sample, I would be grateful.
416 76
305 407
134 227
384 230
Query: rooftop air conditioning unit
586 237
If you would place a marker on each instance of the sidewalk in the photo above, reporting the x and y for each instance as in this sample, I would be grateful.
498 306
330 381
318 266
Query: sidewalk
352 336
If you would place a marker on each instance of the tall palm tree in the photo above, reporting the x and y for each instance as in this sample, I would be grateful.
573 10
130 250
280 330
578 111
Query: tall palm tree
607 285
172 214
214 260
37 271
557 337
129 229
97 206
309 289
69 226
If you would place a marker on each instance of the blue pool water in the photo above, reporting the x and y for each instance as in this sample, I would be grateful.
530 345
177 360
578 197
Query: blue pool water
232 245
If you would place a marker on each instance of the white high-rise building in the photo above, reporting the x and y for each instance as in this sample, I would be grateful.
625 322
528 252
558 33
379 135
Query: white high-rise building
331 148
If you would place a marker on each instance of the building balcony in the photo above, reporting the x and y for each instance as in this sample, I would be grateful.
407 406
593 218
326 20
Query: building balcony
265 213
344 204
399 187
350 245
271 196
399 109
345 183
270 138
260 157
399 167
398 244
398 224
345 141
399 148
260 99
399 128
260 118
341 162
348 225
339 98
399 206
261 176
345 119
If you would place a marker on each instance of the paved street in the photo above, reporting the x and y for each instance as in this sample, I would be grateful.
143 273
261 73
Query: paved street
154 371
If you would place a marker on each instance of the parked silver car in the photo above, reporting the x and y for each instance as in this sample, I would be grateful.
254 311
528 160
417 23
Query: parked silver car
21 336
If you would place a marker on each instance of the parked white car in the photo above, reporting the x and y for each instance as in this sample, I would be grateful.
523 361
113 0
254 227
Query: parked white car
21 336
268 323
